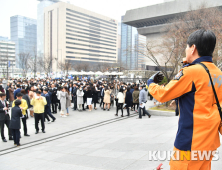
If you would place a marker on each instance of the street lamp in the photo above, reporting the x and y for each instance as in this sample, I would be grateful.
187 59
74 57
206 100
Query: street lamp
58 60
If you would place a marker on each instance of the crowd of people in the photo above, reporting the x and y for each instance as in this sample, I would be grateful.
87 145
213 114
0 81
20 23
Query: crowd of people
42 99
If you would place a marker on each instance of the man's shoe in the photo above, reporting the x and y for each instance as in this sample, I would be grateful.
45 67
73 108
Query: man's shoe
53 120
26 135
10 138
139 118
43 131
18 145
4 140
149 116
36 132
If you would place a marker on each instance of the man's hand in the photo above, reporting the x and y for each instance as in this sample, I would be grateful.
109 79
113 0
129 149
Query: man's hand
156 78
5 108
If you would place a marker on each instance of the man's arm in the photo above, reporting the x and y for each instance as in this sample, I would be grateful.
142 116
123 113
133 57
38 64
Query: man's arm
181 84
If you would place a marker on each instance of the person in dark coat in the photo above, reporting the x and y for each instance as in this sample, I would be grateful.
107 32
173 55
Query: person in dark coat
47 106
128 100
15 123
54 99
17 90
95 96
4 117
74 96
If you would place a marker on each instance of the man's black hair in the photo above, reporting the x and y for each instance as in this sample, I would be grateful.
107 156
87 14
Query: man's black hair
38 92
18 102
46 89
204 40
18 85
19 94
2 94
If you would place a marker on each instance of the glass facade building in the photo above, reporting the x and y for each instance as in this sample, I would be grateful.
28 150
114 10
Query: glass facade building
40 23
129 44
23 33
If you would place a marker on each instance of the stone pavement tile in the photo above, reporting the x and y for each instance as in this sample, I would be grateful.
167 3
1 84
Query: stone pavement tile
97 145
133 155
94 162
106 153
83 151
117 164
143 165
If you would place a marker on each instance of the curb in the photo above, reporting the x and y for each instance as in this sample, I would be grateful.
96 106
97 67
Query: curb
161 113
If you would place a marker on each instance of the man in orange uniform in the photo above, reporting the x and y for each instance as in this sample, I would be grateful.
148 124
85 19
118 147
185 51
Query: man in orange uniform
199 117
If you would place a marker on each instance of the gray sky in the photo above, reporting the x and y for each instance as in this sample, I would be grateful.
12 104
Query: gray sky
110 8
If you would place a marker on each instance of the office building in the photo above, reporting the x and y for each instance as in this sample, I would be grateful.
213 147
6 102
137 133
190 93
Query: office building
151 20
7 58
130 44
23 33
140 49
4 38
40 23
77 35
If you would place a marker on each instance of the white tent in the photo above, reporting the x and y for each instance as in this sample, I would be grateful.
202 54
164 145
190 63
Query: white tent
98 73
120 73
83 73
91 73
107 73
114 73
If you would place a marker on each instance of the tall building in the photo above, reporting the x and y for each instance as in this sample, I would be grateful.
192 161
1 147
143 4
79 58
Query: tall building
140 44
7 58
77 35
40 23
126 45
129 47
4 38
23 33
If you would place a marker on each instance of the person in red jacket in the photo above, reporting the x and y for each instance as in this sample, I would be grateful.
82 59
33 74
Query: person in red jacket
199 116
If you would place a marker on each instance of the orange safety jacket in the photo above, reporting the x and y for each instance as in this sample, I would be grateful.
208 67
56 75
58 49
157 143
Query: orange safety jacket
199 116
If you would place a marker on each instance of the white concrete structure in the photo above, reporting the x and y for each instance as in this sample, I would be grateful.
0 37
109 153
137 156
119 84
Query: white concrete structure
151 20
79 35
7 57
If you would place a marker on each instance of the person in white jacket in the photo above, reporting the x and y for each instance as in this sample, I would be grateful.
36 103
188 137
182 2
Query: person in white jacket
121 99
80 95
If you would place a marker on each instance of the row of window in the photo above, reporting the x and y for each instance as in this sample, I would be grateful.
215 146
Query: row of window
94 59
93 42
89 54
90 38
89 34
73 11
93 28
7 48
91 46
101 33
90 20
6 44
91 24
94 51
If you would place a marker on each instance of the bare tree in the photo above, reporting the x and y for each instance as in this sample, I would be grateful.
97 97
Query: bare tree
84 66
45 63
65 66
24 64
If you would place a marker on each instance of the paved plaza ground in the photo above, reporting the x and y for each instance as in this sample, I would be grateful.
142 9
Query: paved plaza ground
120 145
